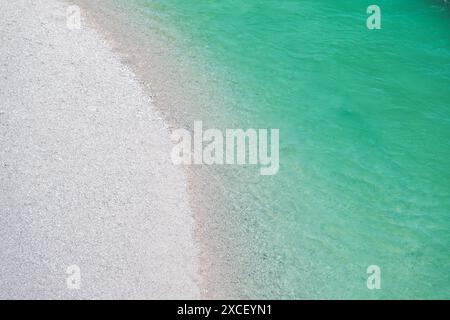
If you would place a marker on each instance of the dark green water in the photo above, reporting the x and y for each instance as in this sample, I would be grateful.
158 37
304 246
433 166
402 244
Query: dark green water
364 117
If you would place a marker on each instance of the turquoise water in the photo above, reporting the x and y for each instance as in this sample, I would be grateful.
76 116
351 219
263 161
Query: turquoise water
364 117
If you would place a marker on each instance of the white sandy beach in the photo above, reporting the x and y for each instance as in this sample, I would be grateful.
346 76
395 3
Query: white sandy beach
86 177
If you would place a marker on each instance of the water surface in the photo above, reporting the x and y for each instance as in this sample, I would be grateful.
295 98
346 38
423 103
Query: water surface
365 138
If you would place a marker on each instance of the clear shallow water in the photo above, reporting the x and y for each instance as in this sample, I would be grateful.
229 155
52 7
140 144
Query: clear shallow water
365 138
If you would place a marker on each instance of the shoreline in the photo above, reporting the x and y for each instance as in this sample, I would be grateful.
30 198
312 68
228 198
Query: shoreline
182 92
83 128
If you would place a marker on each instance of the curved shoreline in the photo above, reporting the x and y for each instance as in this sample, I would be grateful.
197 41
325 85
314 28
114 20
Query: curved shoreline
183 92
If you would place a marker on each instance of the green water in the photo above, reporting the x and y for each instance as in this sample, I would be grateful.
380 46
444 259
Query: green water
364 117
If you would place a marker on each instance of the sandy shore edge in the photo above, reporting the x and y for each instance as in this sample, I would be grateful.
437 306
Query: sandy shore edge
185 88
86 173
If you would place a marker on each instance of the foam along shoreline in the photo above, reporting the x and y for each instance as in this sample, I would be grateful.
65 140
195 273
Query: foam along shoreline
86 174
